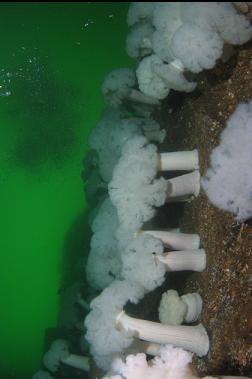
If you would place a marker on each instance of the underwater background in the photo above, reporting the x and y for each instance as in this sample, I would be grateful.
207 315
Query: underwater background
54 57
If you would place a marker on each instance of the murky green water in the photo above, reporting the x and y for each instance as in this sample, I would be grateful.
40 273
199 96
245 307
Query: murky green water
53 59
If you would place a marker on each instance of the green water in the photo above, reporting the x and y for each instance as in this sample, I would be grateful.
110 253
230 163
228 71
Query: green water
53 59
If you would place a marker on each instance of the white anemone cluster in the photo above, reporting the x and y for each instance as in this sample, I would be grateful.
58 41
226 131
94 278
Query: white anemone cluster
126 261
193 34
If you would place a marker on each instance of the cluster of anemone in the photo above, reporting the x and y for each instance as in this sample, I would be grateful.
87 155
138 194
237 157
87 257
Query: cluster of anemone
171 39
170 363
125 174
128 259
134 193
